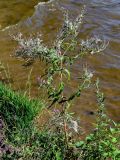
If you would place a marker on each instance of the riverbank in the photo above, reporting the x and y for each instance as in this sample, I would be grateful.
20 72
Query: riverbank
20 139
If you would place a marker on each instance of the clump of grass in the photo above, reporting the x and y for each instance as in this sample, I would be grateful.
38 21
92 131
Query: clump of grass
16 110
18 113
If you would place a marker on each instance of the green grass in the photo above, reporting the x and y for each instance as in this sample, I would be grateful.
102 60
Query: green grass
17 110
18 113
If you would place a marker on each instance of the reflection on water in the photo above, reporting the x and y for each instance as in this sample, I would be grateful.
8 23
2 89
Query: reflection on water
102 18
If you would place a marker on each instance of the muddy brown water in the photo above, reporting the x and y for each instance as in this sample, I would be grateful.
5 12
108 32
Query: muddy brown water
102 19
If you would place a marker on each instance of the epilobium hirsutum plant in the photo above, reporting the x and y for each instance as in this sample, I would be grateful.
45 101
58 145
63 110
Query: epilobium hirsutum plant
93 45
103 143
59 58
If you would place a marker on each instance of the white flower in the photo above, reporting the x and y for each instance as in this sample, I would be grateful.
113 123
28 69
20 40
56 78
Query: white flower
74 125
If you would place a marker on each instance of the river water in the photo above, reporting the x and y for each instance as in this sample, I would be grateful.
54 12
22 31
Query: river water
102 19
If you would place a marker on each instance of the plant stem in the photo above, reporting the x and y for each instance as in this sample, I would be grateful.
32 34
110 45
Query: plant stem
63 107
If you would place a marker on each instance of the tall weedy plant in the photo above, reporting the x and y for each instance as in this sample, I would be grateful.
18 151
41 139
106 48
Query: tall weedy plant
59 58
103 142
